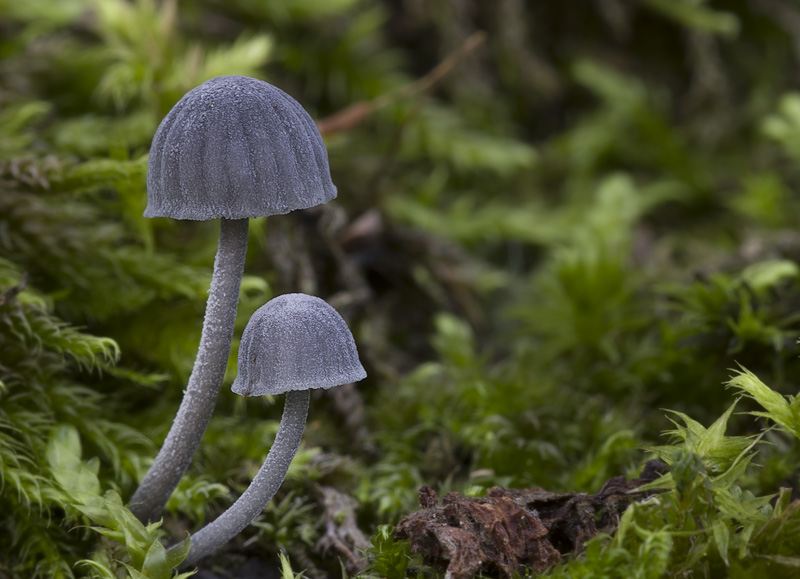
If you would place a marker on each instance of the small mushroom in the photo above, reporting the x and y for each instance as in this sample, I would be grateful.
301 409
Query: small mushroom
292 344
233 148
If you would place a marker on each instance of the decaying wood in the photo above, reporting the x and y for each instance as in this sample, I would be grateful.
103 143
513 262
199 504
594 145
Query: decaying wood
509 529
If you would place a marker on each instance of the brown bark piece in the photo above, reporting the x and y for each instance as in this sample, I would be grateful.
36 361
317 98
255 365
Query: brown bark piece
509 529
471 535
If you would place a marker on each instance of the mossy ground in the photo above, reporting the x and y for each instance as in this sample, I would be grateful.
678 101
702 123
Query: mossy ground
578 232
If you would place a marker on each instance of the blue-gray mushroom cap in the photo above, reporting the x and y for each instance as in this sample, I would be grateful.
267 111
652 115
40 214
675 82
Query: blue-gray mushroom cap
296 342
236 147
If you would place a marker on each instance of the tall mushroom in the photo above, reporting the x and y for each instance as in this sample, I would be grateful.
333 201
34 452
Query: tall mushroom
292 344
233 148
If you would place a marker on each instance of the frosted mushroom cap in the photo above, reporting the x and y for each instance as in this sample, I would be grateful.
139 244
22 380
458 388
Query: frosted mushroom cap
236 147
296 342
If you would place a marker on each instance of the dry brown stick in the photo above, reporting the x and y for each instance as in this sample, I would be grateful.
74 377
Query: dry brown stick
353 115
342 533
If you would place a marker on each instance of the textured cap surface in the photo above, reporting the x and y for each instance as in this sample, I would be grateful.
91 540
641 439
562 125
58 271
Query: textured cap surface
296 342
236 147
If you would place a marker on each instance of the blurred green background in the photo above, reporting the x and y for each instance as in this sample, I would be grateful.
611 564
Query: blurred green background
555 220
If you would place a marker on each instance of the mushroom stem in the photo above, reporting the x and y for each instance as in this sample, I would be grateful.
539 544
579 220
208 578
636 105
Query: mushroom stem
264 486
205 381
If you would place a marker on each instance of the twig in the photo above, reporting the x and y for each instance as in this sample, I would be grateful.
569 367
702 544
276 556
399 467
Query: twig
342 534
353 115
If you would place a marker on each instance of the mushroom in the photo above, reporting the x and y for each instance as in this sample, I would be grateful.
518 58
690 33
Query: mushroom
292 344
233 148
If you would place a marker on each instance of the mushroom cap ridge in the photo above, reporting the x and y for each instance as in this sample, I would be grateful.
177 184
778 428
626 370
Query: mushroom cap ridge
296 342
236 147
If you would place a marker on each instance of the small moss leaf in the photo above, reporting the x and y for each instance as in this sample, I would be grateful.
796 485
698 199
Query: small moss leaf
155 562
286 568
100 516
134 573
176 555
722 539
64 459
99 569
783 411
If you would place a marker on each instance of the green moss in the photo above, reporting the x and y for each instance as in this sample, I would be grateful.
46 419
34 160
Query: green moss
582 223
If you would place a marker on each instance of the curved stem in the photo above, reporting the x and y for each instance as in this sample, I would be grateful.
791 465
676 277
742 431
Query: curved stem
264 485
205 381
